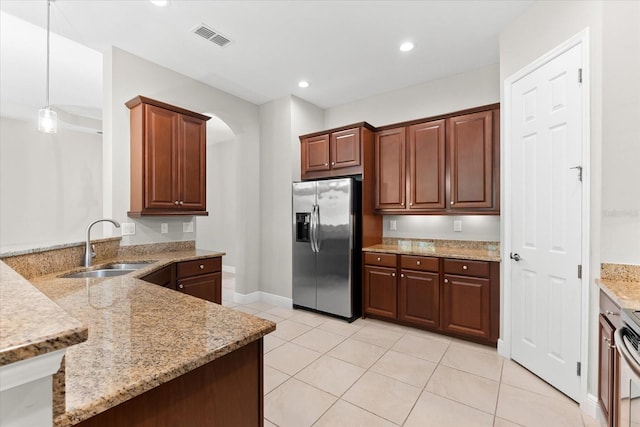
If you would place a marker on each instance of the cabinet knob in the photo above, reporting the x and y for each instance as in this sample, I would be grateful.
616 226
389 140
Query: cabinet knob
326 164
417 262
452 202
464 267
410 203
402 275
333 163
446 280
401 204
176 203
378 258
180 286
611 313
393 274
201 266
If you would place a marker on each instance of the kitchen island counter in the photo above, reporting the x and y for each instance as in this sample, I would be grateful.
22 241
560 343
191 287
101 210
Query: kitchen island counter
141 335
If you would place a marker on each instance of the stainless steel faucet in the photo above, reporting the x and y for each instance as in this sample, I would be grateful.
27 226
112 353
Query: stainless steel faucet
89 249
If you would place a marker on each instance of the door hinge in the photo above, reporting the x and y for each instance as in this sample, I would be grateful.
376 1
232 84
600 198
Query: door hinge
579 75
578 368
579 271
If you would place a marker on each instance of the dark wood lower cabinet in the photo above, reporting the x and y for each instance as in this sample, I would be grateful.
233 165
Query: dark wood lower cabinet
467 305
451 296
380 291
165 277
225 392
419 299
606 383
206 286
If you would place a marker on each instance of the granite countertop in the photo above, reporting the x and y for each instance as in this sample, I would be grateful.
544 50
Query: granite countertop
20 337
481 251
141 335
621 282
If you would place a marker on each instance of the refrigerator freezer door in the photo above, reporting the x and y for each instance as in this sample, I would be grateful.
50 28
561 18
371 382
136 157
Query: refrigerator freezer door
335 241
304 259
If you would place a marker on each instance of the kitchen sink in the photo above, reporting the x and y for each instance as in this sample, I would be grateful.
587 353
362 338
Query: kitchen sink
102 272
109 270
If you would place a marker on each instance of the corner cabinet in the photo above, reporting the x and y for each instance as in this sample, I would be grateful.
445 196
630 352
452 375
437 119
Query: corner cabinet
446 165
333 153
168 159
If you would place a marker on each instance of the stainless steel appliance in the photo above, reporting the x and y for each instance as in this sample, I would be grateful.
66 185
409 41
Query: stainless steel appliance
326 246
627 339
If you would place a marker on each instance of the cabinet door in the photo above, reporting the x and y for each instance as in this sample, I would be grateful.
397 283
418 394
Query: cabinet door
419 298
466 305
161 160
380 291
315 154
606 377
206 286
390 169
470 143
192 164
345 148
427 165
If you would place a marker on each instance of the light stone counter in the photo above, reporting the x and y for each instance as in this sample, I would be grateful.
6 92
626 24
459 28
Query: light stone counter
140 335
621 282
470 250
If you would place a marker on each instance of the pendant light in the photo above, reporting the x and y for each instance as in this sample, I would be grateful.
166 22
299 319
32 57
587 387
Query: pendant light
47 118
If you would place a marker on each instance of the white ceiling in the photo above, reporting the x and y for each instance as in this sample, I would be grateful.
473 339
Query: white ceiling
347 50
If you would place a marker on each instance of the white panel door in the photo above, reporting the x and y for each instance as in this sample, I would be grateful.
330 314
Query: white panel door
546 147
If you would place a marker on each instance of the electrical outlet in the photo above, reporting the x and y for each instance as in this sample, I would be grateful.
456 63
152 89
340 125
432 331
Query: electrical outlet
187 227
164 228
128 228
393 225
457 225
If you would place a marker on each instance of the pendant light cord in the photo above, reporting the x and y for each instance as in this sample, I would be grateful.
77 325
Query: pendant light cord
48 45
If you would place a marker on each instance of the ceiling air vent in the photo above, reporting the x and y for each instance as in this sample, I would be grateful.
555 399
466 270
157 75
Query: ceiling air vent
212 35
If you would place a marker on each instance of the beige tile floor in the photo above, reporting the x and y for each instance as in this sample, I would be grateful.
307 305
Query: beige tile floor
319 371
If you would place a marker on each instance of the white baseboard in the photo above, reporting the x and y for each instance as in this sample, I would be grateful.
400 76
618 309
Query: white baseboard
273 299
503 350
591 407
229 269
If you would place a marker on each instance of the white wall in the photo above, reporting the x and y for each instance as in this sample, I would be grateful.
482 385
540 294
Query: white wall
454 93
50 185
543 26
620 241
474 227
130 76
281 122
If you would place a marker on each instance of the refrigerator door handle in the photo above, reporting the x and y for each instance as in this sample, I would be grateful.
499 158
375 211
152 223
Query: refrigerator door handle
317 233
313 230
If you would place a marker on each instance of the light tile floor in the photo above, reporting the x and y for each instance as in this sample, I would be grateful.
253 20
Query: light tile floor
319 371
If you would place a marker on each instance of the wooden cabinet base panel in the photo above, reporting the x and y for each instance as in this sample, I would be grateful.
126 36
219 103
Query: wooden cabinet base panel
225 392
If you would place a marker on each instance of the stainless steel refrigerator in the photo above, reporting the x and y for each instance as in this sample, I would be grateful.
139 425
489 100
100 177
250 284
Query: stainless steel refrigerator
326 246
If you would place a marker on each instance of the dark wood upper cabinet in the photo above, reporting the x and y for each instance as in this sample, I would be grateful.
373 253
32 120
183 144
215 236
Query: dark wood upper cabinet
470 142
390 155
315 154
336 152
427 165
168 159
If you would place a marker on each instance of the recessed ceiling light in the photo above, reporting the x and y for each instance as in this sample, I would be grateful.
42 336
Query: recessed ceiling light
161 3
303 83
406 46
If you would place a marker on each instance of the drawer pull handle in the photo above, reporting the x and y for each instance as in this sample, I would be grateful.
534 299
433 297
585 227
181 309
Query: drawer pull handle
611 313
201 266
464 267
378 258
417 262
181 286
446 280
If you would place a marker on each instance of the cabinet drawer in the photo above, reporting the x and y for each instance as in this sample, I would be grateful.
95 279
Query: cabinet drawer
467 268
609 309
420 263
199 266
383 260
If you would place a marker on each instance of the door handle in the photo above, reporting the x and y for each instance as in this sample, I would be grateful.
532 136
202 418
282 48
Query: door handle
515 257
